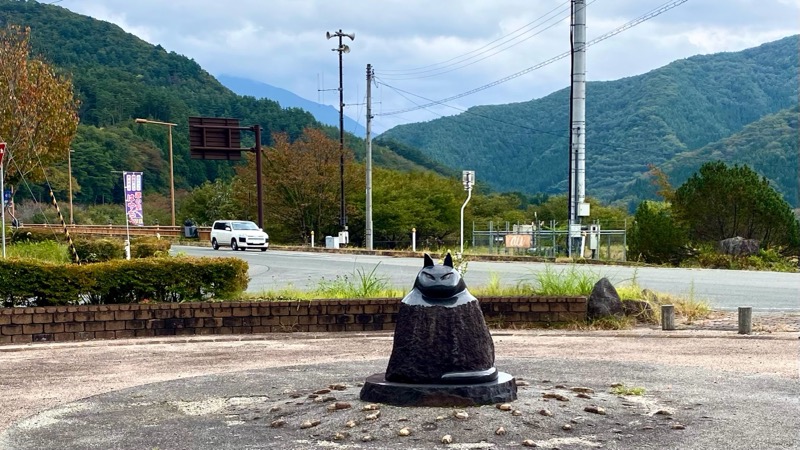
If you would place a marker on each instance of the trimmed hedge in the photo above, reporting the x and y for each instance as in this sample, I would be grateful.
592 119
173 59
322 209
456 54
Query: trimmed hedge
104 249
34 283
33 235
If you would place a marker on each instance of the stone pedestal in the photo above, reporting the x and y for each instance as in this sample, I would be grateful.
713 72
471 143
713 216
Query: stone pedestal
377 390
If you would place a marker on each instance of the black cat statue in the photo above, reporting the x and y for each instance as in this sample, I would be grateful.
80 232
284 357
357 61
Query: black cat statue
443 354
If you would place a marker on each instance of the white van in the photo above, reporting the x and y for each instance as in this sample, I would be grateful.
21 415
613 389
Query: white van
238 235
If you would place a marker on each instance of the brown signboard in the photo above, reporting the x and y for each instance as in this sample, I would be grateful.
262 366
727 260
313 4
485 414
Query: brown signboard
518 240
215 138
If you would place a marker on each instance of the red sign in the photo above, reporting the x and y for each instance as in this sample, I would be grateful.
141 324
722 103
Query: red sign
2 150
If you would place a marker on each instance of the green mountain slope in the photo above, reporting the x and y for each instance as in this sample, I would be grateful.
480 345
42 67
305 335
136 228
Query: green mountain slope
632 122
119 77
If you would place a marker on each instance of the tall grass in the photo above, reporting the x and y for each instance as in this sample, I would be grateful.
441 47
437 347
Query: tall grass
49 251
569 281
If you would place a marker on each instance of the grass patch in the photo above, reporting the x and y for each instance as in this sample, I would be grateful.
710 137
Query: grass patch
49 251
569 281
627 390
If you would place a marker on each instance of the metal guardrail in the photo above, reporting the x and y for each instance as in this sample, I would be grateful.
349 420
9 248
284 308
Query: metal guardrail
204 233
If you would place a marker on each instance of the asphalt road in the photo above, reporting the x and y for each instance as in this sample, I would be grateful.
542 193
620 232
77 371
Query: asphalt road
724 289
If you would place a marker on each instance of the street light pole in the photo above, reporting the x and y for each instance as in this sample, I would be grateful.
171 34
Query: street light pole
342 48
69 168
171 167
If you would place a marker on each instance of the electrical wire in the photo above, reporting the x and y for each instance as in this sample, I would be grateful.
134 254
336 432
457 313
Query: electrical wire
459 64
643 18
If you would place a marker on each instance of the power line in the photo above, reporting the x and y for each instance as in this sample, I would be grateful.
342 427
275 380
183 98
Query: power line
419 73
643 18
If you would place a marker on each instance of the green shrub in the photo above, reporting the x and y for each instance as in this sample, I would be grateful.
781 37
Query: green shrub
34 283
148 247
655 236
32 235
50 251
99 250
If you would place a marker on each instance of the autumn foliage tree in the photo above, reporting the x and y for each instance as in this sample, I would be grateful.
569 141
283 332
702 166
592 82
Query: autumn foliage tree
38 112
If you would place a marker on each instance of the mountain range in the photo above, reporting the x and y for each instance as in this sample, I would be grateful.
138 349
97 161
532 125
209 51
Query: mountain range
324 113
675 117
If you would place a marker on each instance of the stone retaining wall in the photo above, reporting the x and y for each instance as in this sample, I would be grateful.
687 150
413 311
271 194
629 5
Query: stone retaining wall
76 323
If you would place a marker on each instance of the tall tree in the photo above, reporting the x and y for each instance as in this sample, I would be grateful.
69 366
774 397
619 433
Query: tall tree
38 117
720 202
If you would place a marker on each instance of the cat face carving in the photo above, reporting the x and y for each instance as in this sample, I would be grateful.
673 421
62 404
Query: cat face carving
439 282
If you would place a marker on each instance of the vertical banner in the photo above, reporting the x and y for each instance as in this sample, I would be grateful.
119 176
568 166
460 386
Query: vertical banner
132 182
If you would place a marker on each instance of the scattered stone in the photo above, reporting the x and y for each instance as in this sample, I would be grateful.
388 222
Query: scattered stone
329 398
546 412
360 384
322 392
558 397
403 419
522 383
560 386
439 418
577 420
312 396
350 424
528 443
566 427
615 385
374 415
404 432
516 413
583 395
678 426
545 381
616 431
461 415
584 390
332 407
295 395
309 424
338 387
738 246
447 439
318 400
504 407
500 431
277 423
366 438
663 412
342 405
275 408
371 407
339 436
595 409
648 427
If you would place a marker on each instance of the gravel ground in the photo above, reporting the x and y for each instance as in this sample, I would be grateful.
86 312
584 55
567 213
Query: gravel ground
35 378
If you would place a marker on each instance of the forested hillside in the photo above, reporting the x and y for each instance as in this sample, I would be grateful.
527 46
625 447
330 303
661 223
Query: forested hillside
632 122
119 77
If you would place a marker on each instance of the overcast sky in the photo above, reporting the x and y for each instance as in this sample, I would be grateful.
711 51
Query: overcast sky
455 46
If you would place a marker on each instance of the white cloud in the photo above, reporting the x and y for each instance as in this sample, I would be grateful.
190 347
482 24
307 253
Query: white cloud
282 42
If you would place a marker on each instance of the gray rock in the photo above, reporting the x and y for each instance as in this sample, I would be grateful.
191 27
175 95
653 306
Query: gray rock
738 246
604 301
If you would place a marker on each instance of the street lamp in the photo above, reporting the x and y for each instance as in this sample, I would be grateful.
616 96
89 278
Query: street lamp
468 180
342 48
171 169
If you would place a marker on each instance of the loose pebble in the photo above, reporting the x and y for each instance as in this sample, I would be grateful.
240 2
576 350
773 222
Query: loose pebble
614 385
678 426
558 397
322 392
516 413
338 387
318 400
338 436
500 431
561 386
366 438
309 424
528 443
585 390
404 432
546 412
583 395
461 415
350 423
371 407
342 405
332 407
566 427
664 412
277 423
447 439
439 418
522 383
374 415
275 409
595 409
504 407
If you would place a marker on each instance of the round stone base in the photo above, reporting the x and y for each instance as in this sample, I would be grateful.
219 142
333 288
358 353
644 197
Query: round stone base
377 390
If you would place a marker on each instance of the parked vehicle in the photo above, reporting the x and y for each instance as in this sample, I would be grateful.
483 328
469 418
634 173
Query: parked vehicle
238 235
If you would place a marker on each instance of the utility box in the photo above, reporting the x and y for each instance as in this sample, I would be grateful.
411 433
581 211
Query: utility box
594 236
331 242
583 210
344 237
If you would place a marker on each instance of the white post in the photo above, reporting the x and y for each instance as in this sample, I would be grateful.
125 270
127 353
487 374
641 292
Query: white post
312 238
413 239
467 179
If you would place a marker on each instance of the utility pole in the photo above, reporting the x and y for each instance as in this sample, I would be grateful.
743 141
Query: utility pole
577 173
342 48
69 168
368 217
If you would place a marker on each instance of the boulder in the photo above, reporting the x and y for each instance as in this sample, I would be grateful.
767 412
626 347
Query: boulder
738 246
604 301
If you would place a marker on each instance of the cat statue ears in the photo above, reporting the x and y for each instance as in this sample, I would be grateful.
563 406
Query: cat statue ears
448 261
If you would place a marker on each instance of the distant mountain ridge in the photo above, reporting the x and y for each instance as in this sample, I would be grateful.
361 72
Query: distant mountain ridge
631 123
323 113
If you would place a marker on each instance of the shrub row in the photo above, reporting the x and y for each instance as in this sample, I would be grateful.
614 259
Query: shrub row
98 249
34 283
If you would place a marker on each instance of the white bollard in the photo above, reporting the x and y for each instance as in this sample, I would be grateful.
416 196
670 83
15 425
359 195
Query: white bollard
745 319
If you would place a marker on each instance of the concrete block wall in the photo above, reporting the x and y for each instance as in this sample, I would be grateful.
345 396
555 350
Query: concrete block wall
78 323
